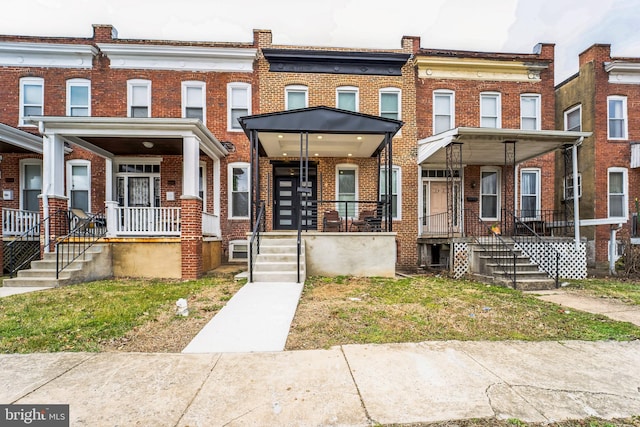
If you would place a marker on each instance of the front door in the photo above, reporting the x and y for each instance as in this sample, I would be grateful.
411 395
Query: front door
435 220
285 201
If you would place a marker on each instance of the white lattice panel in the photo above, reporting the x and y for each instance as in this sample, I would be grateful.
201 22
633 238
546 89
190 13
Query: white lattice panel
460 259
572 263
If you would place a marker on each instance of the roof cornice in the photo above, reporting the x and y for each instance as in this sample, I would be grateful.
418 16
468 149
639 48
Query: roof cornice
23 54
479 69
621 71
188 58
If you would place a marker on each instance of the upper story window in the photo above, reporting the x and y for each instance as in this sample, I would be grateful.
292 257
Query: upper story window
618 191
347 98
31 98
617 113
573 119
530 112
443 111
238 104
193 100
79 97
139 98
296 96
390 103
490 110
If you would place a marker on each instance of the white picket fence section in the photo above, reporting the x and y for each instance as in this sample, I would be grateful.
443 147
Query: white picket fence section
16 222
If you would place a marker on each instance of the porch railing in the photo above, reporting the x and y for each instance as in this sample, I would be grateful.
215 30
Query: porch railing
254 242
16 222
163 221
435 225
352 215
210 224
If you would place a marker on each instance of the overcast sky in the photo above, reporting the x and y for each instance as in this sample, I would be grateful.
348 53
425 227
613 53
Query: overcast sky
486 25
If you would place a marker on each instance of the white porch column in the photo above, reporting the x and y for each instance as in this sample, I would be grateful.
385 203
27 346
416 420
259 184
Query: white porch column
190 166
111 216
52 165
216 196
108 185
576 201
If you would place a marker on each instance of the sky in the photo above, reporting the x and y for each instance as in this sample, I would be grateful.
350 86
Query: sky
483 25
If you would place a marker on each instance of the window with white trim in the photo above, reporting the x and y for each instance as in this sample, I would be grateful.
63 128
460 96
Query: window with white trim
396 185
138 182
390 103
443 110
490 110
202 184
296 96
530 111
573 119
79 184
238 104
239 181
347 98
530 193
30 184
138 98
346 188
79 97
618 193
569 187
617 114
489 194
31 99
193 100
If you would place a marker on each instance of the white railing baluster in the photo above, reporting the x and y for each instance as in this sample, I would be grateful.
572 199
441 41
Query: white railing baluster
148 221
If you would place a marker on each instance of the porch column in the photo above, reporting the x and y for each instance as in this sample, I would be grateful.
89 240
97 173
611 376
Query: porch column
53 198
576 201
191 210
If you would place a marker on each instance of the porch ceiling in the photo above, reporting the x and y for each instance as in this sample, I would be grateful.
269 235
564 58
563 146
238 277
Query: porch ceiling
485 146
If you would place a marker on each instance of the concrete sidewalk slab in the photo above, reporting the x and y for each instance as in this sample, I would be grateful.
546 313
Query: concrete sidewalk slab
256 318
6 291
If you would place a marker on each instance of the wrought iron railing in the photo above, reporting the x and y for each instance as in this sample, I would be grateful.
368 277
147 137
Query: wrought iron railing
254 242
437 225
342 215
84 234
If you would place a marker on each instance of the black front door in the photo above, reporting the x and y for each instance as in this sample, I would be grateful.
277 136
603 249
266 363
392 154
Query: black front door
287 201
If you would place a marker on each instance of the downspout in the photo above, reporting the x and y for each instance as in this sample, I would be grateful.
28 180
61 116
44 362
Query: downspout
576 204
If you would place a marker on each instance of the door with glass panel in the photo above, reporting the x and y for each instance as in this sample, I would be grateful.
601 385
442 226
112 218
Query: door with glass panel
138 191
287 202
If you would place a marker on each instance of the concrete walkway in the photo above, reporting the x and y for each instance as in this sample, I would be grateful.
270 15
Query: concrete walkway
351 385
6 291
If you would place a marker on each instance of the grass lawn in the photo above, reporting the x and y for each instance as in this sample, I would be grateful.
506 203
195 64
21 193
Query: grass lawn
624 290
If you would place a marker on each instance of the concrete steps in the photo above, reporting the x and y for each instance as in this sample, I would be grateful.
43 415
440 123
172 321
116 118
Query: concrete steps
278 261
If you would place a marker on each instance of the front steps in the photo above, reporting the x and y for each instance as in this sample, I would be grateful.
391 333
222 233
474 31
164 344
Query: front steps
278 260
92 265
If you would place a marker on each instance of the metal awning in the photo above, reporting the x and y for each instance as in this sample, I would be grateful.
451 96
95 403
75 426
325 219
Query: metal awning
485 146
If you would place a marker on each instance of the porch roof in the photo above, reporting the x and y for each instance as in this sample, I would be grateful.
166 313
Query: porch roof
485 146
118 136
332 132
14 140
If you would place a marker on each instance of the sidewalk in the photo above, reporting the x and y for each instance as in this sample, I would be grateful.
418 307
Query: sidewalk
351 385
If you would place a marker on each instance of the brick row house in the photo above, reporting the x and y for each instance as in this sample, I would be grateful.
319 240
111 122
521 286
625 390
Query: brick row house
367 160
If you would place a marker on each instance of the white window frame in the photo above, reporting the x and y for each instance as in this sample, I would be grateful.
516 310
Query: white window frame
624 118
538 195
202 184
231 127
347 166
136 83
625 194
31 81
498 192
567 187
155 161
452 108
390 90
498 97
23 163
570 111
230 167
295 89
70 165
71 83
186 85
538 116
397 171
348 90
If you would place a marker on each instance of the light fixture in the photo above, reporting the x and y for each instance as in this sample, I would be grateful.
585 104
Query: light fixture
148 144
349 154
473 183
229 146
316 154
284 154
280 136
319 137
359 138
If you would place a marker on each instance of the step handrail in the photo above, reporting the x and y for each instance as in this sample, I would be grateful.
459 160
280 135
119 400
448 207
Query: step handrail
254 242
85 233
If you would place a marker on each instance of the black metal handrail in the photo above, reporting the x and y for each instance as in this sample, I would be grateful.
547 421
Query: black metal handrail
85 232
254 242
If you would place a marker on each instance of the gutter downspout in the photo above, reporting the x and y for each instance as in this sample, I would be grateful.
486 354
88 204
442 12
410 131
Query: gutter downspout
576 204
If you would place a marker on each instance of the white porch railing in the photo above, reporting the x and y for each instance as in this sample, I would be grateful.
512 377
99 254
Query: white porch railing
144 221
210 224
16 222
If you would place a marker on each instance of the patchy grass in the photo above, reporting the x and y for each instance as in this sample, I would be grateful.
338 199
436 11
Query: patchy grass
623 290
375 310
514 422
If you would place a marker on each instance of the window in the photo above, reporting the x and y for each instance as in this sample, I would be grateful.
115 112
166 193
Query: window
617 193
490 110
138 98
617 110
238 104
569 187
296 97
573 119
347 98
443 111
78 97
79 184
346 189
30 184
390 103
530 112
31 99
193 100
239 190
202 185
530 193
395 190
489 195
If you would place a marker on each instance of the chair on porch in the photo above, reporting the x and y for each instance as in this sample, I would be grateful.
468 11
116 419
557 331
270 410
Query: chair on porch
86 222
331 221
362 223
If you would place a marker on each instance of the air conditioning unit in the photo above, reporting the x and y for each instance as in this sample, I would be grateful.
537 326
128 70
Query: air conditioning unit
238 250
